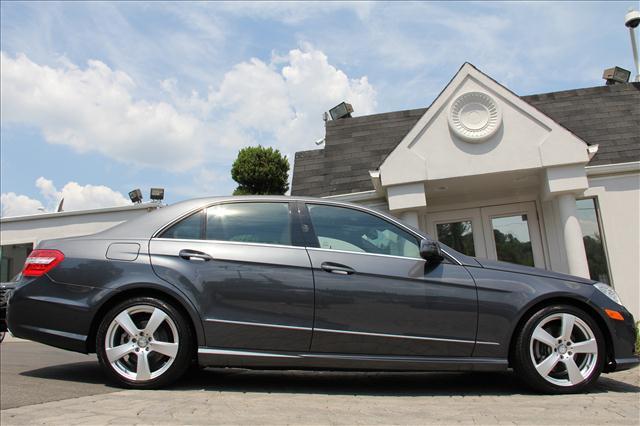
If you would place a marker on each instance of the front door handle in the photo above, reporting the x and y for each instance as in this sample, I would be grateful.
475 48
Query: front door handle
337 268
193 254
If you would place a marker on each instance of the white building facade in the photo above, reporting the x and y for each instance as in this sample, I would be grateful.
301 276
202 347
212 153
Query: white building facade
490 174
20 234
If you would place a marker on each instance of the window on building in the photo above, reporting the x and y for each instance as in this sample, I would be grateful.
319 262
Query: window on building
512 238
592 237
267 223
340 228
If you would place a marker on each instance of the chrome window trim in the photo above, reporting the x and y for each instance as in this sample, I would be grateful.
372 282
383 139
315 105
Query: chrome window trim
231 242
379 254
366 254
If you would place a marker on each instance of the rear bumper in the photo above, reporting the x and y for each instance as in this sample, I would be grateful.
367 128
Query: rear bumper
55 314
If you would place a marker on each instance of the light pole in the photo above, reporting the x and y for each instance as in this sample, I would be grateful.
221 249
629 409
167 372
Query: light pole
631 21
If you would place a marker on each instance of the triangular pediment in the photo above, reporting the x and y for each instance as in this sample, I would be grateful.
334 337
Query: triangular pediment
477 126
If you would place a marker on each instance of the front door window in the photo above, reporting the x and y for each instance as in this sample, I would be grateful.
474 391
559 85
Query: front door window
340 228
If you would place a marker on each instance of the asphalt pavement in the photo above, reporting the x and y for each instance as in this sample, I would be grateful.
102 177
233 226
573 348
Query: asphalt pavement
44 385
31 373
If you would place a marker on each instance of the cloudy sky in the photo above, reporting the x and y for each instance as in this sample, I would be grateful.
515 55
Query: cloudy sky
101 98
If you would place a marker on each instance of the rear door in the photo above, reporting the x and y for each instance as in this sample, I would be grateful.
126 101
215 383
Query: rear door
245 265
376 295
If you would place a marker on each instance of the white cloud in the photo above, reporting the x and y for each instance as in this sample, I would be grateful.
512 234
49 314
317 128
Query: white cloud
287 96
76 197
278 103
93 109
13 204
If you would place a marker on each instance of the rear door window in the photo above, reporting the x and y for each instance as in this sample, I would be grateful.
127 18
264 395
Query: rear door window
266 223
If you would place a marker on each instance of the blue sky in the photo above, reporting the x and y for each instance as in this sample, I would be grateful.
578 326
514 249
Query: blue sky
101 98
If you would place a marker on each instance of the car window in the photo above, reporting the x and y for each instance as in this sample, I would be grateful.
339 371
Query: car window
189 228
341 228
267 223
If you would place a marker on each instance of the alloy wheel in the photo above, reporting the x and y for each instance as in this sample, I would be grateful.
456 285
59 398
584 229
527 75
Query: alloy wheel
563 349
141 342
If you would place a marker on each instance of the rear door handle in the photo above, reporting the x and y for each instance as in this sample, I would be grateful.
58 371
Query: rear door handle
193 254
336 268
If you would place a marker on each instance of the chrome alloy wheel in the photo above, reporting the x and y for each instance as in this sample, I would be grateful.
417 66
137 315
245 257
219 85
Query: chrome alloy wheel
141 342
563 349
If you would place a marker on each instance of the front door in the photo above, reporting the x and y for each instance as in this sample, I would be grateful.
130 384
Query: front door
376 295
509 232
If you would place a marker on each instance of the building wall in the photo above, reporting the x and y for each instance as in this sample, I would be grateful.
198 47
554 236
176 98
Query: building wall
619 201
33 229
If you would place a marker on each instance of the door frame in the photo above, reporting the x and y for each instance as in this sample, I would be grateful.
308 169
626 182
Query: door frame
473 215
528 208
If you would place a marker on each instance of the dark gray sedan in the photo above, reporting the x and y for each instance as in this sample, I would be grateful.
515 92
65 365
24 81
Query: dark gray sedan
282 282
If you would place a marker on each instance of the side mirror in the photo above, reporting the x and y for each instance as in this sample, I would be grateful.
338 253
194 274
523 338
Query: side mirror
430 251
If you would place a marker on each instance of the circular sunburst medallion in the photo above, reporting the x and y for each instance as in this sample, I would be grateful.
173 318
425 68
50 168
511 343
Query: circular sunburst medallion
474 116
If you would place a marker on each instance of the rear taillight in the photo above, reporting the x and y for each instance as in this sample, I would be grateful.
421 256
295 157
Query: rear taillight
40 262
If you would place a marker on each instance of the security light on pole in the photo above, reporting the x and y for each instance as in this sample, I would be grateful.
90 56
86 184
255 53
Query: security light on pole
631 21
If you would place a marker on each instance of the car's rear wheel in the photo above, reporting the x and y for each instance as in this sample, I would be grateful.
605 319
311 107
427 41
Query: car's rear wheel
144 343
560 350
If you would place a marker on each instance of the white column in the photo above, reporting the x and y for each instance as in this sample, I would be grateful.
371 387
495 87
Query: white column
410 218
573 243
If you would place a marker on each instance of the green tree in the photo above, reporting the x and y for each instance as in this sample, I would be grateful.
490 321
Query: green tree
260 171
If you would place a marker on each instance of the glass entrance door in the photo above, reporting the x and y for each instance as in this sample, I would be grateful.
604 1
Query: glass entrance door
510 233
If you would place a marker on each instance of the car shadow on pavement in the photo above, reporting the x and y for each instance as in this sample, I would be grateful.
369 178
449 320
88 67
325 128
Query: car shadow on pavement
328 382
78 372
371 383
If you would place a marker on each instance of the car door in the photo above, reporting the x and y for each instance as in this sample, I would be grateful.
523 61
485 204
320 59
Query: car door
376 295
248 271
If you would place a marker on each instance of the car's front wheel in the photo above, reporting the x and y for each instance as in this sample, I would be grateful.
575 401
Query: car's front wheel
144 343
559 350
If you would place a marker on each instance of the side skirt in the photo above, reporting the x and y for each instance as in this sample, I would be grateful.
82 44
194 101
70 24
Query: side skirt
218 357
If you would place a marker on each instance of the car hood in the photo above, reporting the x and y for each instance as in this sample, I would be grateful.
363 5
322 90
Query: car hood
520 269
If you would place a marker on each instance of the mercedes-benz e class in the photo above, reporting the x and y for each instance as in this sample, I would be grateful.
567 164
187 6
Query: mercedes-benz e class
297 283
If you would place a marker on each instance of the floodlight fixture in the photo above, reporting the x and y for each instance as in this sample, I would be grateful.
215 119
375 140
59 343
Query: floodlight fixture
157 194
342 110
616 75
136 196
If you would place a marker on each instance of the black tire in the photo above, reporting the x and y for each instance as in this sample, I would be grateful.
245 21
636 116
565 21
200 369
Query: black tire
525 352
177 367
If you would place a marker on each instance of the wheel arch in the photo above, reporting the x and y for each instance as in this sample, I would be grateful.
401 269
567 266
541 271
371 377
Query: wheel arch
563 300
149 290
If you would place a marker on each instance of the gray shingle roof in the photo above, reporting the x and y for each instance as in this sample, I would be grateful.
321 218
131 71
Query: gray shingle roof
606 115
